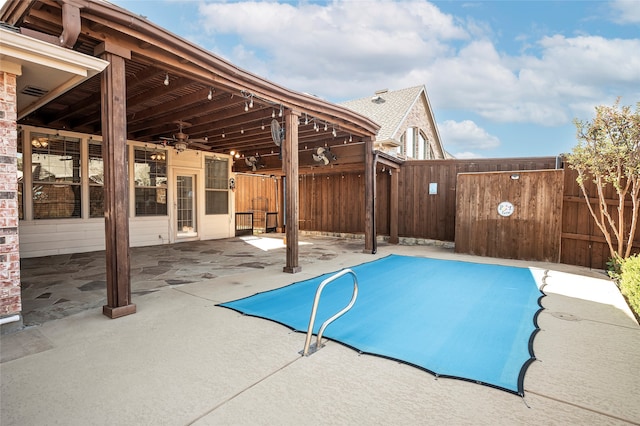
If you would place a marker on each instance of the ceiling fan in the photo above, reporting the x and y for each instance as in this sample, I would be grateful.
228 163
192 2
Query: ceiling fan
254 162
323 155
181 141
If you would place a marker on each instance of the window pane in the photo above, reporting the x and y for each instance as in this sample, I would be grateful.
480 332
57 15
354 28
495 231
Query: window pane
409 142
216 171
55 158
55 165
150 169
421 146
54 201
217 202
151 202
96 180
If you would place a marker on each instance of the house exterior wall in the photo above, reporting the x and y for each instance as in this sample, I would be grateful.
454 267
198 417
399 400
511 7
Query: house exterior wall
45 237
10 299
418 117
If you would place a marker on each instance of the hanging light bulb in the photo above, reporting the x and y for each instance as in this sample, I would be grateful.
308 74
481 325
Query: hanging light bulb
306 119
325 127
334 132
262 125
223 135
251 102
210 95
246 107
166 79
350 138
280 113
273 113
232 153
242 131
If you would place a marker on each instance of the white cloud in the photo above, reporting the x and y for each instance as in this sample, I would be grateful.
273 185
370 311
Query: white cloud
626 11
346 49
328 47
465 155
464 138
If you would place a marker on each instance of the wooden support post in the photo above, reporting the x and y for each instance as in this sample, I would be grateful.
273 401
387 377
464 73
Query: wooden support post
116 190
393 207
369 197
290 166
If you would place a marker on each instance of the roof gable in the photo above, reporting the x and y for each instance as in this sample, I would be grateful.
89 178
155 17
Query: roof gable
389 109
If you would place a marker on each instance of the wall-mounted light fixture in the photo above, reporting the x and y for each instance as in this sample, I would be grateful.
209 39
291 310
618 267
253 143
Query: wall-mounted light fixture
515 176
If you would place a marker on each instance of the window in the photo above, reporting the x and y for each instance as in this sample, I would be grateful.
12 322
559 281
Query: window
422 144
150 171
55 165
96 180
20 176
216 191
409 142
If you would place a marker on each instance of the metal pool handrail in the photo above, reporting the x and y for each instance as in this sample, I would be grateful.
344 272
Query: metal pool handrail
314 310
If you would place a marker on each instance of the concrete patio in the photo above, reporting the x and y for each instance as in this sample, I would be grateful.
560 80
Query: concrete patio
181 360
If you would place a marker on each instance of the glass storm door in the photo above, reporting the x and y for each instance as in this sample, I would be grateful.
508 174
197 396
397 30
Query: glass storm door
186 206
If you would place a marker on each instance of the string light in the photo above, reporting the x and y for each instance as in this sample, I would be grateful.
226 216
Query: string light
246 106
166 79
210 95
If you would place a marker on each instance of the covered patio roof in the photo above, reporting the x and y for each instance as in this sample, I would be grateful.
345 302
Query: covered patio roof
160 88
170 81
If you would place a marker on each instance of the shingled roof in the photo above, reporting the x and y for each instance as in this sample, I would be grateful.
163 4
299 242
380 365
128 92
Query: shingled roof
390 109
387 108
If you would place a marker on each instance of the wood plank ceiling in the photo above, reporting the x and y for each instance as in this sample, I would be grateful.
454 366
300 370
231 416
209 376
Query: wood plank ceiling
169 84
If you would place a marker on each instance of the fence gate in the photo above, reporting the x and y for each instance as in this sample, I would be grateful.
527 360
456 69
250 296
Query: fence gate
512 215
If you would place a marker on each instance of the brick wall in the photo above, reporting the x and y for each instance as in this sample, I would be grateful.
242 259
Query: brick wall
10 301
418 117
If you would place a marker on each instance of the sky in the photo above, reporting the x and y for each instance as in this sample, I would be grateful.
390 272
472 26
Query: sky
504 78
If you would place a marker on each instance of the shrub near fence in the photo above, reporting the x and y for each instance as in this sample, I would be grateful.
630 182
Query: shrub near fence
630 282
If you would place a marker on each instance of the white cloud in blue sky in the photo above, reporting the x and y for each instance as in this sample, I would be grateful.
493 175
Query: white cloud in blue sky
465 139
508 72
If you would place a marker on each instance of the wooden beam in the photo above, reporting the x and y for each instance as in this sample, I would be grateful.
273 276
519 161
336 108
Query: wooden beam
393 207
290 169
116 190
369 197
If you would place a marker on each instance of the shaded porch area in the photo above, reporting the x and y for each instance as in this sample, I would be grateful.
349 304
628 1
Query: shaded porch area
57 286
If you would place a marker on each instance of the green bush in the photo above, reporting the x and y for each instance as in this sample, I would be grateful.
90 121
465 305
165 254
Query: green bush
630 282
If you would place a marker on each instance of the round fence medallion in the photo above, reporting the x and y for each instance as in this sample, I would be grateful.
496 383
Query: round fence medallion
505 209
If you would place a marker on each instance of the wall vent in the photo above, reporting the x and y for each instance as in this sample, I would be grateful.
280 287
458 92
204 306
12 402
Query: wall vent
34 91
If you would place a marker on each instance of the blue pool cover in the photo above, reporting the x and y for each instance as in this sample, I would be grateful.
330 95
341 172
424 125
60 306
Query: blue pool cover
454 319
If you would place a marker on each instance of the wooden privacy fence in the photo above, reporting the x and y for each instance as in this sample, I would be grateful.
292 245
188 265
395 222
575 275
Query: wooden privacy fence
550 220
422 214
513 215
582 241
260 196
